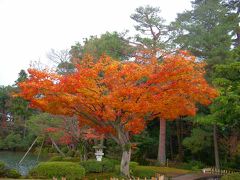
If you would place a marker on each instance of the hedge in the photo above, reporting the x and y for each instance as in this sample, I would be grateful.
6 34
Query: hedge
6 172
132 166
94 166
64 159
69 170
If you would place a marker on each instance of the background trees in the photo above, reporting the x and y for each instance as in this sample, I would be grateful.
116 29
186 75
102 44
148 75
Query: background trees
117 92
116 98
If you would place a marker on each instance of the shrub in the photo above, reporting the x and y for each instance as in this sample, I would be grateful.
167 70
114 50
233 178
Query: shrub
56 158
70 153
65 159
69 170
2 169
71 159
233 176
5 172
132 166
94 166
64 149
193 165
51 150
12 173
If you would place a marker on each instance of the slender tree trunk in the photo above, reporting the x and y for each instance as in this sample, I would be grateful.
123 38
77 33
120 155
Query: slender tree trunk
238 29
233 143
25 127
3 119
162 143
215 146
179 139
171 145
102 140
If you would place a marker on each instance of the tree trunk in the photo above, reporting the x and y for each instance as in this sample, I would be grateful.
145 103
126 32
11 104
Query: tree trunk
126 157
4 119
179 139
238 28
124 142
171 145
162 143
233 143
215 146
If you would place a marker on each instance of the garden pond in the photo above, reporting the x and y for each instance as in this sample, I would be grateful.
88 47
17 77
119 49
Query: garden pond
11 159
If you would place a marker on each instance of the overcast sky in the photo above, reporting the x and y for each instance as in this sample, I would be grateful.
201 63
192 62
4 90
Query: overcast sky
30 28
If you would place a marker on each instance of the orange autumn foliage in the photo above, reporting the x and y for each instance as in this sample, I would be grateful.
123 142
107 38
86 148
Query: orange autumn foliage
108 94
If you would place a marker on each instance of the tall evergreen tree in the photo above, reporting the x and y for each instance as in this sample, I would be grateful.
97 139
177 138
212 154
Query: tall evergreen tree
205 31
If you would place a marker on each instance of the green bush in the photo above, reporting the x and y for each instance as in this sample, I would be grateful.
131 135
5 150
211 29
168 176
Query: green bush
71 159
2 169
64 159
5 172
56 158
64 149
12 173
233 176
94 166
69 170
70 153
132 166
192 165
51 150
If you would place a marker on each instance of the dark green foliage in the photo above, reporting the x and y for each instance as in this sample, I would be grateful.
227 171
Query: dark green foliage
69 170
10 173
66 159
64 149
226 107
56 158
112 44
205 31
112 150
70 153
37 124
198 141
193 165
2 169
151 27
132 166
94 166
234 176
12 141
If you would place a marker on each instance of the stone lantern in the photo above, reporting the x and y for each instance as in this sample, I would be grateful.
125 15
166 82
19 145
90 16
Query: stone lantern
99 152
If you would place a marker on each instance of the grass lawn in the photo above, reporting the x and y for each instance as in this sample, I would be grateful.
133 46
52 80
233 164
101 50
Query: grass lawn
140 171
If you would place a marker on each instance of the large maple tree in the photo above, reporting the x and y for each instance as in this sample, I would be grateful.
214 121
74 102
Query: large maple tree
118 98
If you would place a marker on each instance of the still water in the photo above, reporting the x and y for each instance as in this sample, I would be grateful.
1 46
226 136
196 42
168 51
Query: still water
11 159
